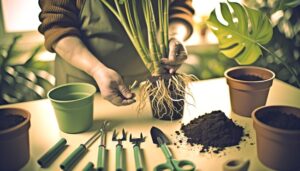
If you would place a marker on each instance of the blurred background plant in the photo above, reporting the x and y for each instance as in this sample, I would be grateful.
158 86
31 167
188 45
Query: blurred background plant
207 62
285 18
23 78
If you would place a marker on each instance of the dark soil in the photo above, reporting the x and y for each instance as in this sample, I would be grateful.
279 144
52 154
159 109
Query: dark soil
278 119
248 78
213 130
8 120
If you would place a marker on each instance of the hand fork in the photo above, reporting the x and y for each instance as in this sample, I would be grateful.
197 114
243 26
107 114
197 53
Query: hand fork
119 149
137 153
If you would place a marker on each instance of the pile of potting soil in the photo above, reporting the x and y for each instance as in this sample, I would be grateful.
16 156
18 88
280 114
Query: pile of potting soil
9 120
213 130
278 119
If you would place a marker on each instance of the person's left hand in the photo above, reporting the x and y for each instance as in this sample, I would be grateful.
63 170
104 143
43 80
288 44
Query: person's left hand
177 55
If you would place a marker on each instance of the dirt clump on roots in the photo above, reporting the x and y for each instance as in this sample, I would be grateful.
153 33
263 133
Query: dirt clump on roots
213 130
166 94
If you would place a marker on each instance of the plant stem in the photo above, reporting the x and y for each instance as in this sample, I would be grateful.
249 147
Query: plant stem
138 29
153 26
161 28
166 25
283 62
151 39
118 14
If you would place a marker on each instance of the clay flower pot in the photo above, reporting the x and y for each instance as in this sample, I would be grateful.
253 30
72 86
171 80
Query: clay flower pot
14 140
248 87
278 136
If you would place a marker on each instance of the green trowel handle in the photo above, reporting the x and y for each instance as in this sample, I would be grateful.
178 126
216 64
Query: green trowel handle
52 153
89 167
137 158
101 158
73 157
119 159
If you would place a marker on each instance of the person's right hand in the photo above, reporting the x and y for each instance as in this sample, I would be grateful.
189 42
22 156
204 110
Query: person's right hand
112 87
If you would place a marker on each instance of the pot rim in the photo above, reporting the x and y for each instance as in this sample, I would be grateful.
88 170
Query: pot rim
246 67
270 128
19 126
68 84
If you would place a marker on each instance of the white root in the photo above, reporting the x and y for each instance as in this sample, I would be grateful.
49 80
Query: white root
162 102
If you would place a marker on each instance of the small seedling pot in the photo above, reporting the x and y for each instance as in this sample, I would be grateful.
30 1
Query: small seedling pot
73 106
164 113
248 87
277 148
14 141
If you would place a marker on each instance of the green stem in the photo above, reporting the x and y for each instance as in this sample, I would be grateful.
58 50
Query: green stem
151 40
138 28
129 18
166 25
153 29
118 14
161 28
283 62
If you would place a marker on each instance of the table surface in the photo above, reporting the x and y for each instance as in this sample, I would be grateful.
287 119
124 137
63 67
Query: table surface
208 95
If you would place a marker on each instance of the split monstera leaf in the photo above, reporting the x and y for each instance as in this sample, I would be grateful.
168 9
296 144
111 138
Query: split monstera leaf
244 34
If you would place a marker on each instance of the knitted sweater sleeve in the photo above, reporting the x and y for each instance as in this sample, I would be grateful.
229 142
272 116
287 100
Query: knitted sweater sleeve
59 18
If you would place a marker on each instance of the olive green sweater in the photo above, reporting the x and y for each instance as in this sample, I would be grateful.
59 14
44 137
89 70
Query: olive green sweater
60 18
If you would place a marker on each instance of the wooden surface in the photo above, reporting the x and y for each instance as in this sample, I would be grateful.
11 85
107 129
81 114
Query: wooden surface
208 95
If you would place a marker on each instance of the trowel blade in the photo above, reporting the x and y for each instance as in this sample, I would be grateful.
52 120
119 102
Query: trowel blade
156 134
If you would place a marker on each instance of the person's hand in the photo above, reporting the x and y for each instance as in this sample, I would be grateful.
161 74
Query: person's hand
112 87
177 55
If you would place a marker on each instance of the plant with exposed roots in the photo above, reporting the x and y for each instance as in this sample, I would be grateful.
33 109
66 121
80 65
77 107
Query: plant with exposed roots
163 89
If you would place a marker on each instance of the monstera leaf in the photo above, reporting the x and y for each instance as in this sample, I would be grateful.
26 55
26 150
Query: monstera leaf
243 35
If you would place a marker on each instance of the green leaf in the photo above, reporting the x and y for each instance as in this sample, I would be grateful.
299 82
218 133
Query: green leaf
246 30
33 55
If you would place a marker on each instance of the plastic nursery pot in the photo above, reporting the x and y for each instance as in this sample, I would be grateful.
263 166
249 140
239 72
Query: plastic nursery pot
14 138
73 106
248 87
161 111
277 148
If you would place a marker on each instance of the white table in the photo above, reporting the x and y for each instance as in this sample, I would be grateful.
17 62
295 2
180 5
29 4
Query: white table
209 95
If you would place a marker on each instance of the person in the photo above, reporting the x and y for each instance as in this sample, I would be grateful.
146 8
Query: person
92 46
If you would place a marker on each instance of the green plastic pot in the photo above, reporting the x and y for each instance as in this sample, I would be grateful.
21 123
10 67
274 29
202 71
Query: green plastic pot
73 106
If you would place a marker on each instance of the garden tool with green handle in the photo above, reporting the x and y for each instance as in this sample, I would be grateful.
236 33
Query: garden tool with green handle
102 148
137 153
52 153
70 161
119 149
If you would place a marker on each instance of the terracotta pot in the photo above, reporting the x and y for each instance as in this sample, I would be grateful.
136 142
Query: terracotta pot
14 142
179 105
277 148
245 95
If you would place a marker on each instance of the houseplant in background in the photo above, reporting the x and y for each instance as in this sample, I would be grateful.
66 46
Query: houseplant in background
242 35
23 80
246 33
166 91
